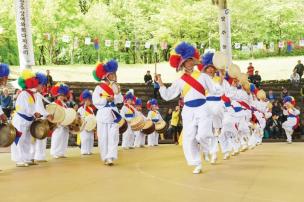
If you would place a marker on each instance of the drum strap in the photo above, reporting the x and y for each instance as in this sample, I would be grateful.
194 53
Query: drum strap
191 82
31 94
107 89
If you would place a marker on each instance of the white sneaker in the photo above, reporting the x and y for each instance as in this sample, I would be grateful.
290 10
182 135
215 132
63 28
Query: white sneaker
110 162
226 156
197 169
56 157
244 148
213 159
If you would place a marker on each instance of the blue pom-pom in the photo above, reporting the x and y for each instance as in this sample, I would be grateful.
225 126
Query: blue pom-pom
287 99
207 59
153 102
129 96
111 66
138 102
185 50
86 94
252 87
63 90
42 79
4 70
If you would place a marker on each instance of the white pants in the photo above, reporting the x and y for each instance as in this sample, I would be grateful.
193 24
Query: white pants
38 149
128 138
225 140
60 140
153 139
21 150
108 138
87 141
288 127
139 139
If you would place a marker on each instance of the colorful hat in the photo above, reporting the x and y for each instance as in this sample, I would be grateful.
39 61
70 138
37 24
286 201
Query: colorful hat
207 60
138 102
129 96
27 79
183 52
289 99
102 70
42 79
4 70
86 94
152 102
253 89
60 89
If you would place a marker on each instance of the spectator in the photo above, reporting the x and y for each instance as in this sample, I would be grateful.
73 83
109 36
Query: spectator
6 102
16 93
257 79
274 127
49 83
302 94
174 124
299 68
71 102
271 96
250 70
156 88
295 79
276 109
284 93
148 78
168 116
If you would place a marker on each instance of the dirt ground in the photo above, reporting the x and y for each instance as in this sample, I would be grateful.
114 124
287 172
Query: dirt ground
273 172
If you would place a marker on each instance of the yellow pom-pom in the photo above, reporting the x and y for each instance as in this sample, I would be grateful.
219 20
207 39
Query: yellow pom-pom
27 74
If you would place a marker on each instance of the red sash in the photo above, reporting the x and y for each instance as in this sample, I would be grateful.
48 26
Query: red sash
59 103
193 83
107 88
129 107
31 94
244 104
89 109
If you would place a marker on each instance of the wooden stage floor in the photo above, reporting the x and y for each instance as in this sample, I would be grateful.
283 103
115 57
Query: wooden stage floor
273 172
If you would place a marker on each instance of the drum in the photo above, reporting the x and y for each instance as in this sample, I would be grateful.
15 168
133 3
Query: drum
160 127
123 126
116 88
75 126
90 123
137 123
57 111
7 134
148 128
70 116
40 129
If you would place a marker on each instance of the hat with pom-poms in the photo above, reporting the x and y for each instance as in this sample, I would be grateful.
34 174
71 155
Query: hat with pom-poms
4 70
181 53
42 79
138 102
85 95
60 89
207 60
152 102
102 70
27 79
289 99
129 96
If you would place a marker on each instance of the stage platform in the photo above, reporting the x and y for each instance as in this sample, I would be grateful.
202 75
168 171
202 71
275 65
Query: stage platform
273 172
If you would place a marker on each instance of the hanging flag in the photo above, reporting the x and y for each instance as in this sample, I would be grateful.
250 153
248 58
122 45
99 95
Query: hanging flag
66 38
301 42
128 44
271 47
260 45
108 43
147 45
245 49
76 44
47 36
24 33
116 45
237 45
87 41
155 48
96 43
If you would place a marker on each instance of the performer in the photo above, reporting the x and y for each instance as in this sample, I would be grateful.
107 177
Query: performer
60 136
38 147
292 114
23 118
105 96
128 112
155 117
140 138
214 105
86 137
192 85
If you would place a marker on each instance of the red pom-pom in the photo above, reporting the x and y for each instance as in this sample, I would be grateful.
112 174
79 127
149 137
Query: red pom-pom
175 60
196 54
148 105
54 90
100 71
256 91
200 67
31 83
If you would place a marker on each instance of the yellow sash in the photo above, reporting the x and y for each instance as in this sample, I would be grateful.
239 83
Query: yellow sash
195 74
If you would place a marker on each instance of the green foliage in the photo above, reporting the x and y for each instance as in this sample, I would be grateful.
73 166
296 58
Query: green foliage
140 21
